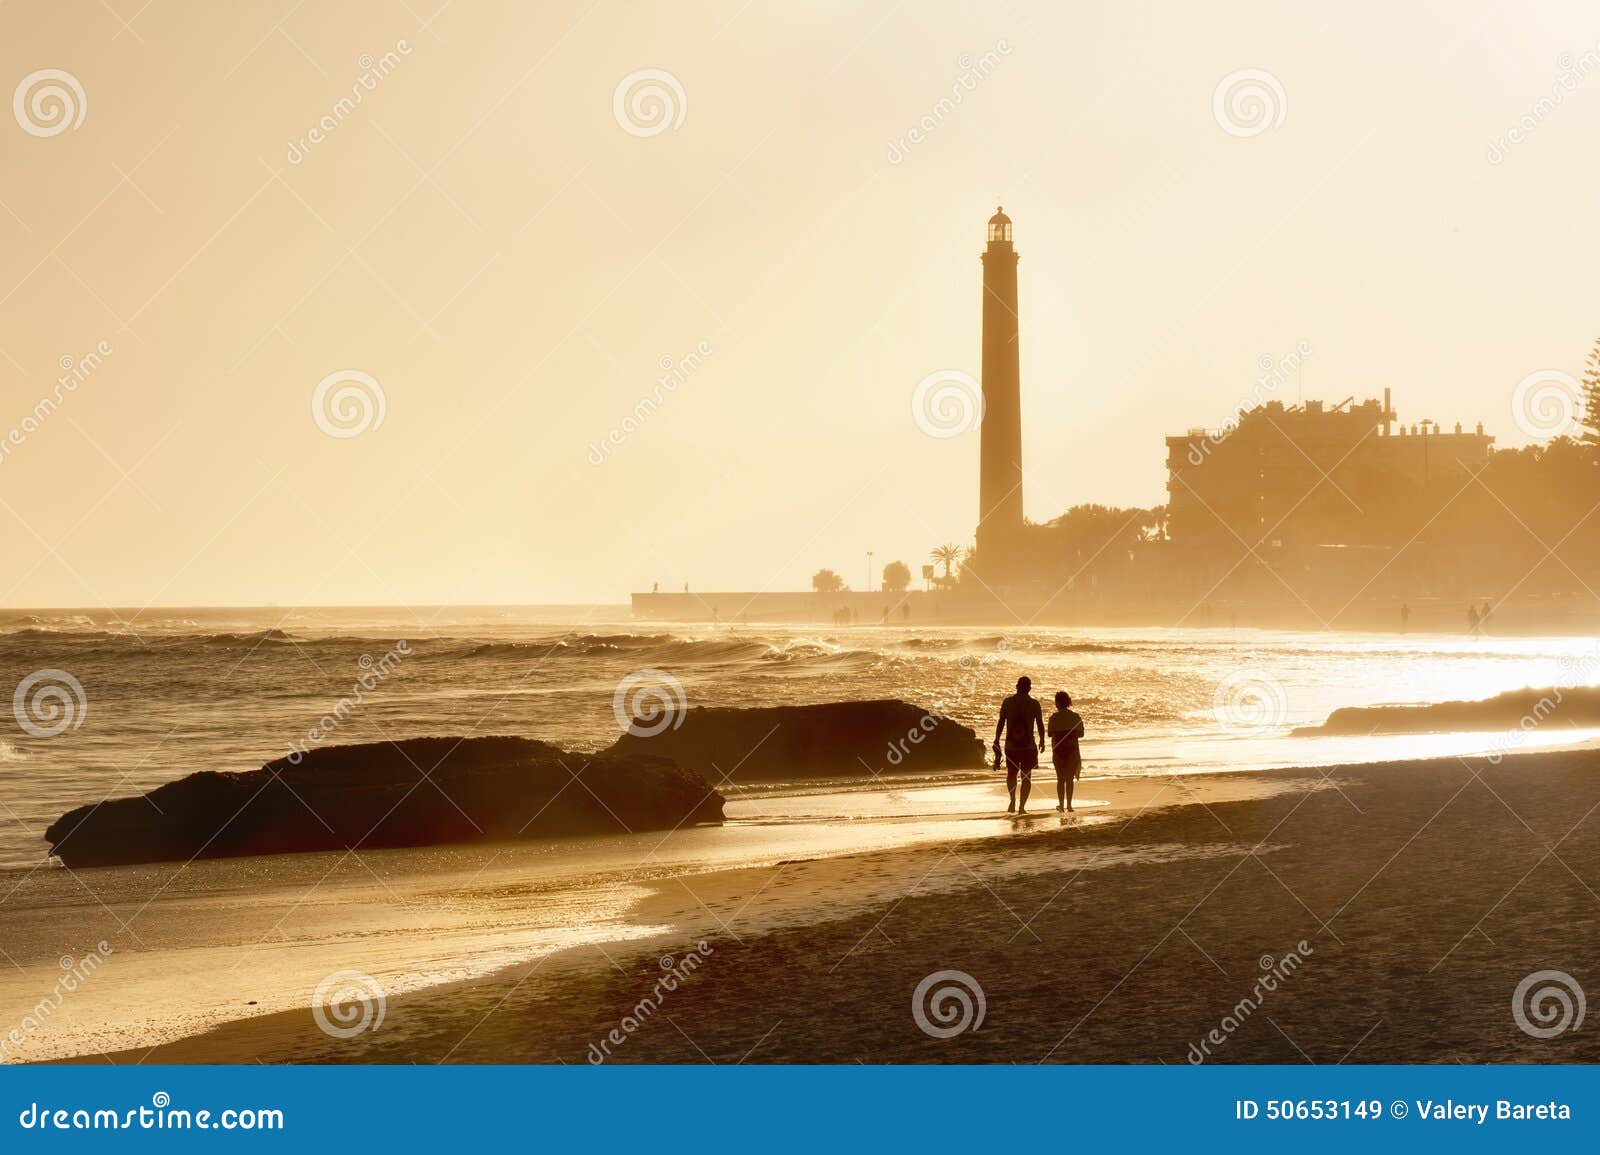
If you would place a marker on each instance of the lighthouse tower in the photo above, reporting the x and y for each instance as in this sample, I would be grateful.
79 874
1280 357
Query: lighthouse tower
1000 441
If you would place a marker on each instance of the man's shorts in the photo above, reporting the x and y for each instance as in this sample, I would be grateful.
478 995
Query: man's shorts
1021 760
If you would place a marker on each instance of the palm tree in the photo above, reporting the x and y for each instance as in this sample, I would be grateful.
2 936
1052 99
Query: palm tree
949 555
1591 398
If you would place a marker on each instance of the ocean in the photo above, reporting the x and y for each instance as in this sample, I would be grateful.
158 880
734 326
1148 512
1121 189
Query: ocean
108 704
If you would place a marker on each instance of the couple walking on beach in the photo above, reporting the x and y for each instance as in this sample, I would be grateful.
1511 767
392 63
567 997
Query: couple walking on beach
1020 717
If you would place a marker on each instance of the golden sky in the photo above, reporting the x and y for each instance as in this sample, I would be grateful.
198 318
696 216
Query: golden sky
508 250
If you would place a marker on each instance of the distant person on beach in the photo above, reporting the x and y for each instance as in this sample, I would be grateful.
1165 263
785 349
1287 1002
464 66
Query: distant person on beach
1065 728
1472 619
1405 617
1020 717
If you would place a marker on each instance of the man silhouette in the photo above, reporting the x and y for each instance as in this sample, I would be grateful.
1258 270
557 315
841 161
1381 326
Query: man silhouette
1020 717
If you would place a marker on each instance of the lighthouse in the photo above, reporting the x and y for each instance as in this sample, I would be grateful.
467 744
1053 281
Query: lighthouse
1000 440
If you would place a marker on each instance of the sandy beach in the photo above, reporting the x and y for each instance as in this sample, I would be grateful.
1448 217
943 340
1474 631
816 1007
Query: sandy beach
1395 907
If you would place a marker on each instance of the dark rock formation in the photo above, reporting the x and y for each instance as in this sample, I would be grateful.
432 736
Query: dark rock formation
1528 709
429 791
417 792
827 740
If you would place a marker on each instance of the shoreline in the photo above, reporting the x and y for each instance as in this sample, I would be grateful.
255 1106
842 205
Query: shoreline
646 905
1084 927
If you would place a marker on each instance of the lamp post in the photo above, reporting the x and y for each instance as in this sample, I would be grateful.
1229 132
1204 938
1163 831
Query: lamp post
869 571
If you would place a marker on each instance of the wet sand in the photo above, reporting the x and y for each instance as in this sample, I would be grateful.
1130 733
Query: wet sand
193 946
1413 898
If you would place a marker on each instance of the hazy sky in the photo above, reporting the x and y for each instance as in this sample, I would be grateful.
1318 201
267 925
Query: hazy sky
483 237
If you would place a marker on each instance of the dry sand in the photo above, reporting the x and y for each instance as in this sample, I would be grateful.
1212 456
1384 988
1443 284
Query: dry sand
1423 894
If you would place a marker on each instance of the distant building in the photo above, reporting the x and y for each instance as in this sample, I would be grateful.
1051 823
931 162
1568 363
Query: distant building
1308 475
1312 502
